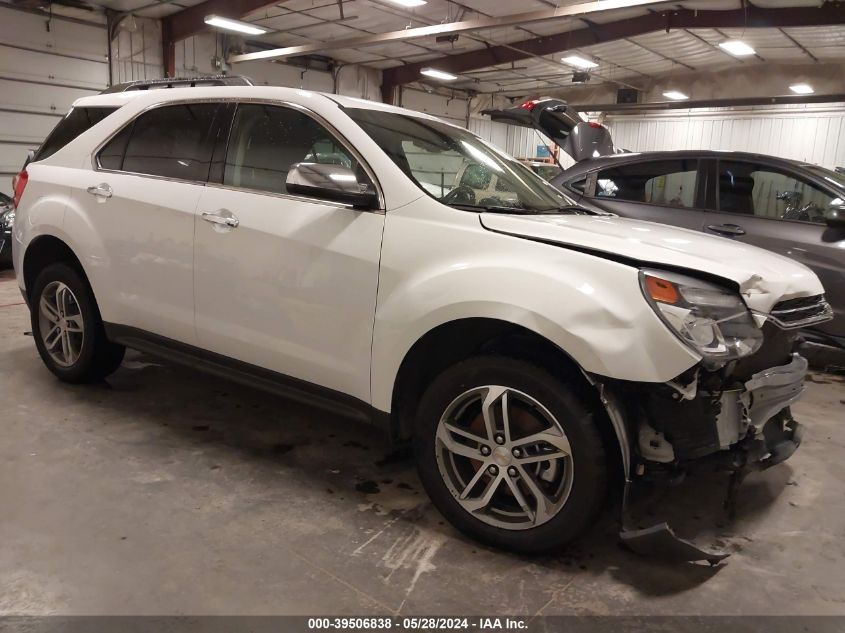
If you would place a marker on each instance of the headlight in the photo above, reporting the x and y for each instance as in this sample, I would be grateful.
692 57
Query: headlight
712 320
8 220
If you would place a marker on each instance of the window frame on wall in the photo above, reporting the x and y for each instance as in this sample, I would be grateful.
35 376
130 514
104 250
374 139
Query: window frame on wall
773 166
698 194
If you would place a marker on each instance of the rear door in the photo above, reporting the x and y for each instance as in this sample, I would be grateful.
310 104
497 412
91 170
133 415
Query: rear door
142 198
783 211
665 191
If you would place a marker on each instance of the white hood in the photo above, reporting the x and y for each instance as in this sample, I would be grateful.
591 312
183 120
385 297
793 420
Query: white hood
764 278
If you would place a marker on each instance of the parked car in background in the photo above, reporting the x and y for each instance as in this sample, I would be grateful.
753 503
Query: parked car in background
7 220
789 207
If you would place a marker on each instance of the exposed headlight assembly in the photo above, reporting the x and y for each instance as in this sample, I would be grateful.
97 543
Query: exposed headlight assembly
8 221
714 321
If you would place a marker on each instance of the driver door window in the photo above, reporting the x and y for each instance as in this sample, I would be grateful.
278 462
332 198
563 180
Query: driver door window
765 192
266 140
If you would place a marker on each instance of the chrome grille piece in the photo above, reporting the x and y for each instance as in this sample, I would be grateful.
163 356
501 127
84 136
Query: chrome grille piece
801 312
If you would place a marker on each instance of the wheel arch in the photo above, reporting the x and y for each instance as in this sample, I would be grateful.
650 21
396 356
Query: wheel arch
42 251
457 340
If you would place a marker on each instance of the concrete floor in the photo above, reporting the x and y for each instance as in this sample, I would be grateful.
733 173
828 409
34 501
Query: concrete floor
169 492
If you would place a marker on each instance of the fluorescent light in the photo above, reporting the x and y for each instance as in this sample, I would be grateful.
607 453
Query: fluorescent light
409 3
438 74
234 25
579 62
737 48
675 94
802 89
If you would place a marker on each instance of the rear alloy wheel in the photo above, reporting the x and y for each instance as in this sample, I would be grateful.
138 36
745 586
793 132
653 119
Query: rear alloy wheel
61 323
510 455
68 331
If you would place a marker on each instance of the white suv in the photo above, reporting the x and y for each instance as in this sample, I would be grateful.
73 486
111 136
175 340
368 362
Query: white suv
530 350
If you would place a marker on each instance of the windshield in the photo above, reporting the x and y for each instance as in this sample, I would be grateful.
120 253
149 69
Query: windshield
831 176
458 168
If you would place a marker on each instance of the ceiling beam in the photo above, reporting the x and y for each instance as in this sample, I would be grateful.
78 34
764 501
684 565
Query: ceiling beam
831 13
709 103
487 22
191 21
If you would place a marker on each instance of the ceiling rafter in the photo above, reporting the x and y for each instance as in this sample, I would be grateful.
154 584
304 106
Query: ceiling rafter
681 19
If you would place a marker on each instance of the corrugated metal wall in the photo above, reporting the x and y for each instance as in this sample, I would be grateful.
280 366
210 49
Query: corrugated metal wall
815 134
45 65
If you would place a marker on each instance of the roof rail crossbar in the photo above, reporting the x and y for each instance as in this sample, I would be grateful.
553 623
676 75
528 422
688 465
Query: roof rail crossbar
180 82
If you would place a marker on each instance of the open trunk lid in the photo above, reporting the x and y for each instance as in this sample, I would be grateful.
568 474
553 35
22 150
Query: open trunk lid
554 118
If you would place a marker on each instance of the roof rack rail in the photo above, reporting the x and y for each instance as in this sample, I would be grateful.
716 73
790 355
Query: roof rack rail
180 82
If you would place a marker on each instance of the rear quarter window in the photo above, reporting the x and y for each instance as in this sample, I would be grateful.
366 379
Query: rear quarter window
75 122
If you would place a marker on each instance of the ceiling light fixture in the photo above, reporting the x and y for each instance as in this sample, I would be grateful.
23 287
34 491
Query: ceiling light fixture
738 48
802 89
579 62
409 3
234 25
438 74
675 94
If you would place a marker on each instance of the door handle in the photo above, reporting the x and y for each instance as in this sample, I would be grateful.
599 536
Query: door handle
223 220
102 191
731 230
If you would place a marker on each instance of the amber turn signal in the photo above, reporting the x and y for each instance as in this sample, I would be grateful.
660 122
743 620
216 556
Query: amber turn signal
661 290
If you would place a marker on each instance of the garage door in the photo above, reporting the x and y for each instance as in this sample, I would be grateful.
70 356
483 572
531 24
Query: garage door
43 70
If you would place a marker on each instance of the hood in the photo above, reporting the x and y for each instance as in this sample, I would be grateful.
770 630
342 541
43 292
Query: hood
763 278
561 123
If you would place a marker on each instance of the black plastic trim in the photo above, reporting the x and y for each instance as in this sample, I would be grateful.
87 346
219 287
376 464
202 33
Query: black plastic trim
247 374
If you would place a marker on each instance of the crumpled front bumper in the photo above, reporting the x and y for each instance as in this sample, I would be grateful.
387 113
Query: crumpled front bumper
756 431
772 390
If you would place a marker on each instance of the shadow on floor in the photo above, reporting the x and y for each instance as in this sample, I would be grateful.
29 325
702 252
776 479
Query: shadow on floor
164 410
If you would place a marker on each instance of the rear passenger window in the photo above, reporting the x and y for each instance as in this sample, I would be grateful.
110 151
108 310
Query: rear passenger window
769 193
75 122
172 141
668 182
266 140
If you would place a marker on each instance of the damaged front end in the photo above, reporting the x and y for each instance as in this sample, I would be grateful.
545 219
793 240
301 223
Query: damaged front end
731 408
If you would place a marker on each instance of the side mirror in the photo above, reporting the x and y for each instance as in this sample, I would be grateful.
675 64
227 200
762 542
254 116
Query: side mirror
330 182
834 217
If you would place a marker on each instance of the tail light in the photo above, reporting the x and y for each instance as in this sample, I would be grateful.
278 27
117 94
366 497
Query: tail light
597 126
18 185
529 105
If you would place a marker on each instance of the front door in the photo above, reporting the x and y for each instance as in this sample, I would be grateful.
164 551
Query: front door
287 283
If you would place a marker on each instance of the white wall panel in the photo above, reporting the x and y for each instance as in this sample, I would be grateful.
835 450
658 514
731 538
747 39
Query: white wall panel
815 134
137 51
45 65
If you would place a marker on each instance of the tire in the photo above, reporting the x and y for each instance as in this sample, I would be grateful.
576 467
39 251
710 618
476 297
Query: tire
534 399
91 357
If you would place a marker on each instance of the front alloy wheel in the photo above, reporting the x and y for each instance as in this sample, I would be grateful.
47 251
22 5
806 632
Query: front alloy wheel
510 454
504 457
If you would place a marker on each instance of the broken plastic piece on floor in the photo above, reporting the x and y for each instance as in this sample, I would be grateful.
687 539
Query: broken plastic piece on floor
660 541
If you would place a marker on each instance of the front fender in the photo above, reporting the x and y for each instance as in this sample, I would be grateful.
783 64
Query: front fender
591 308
